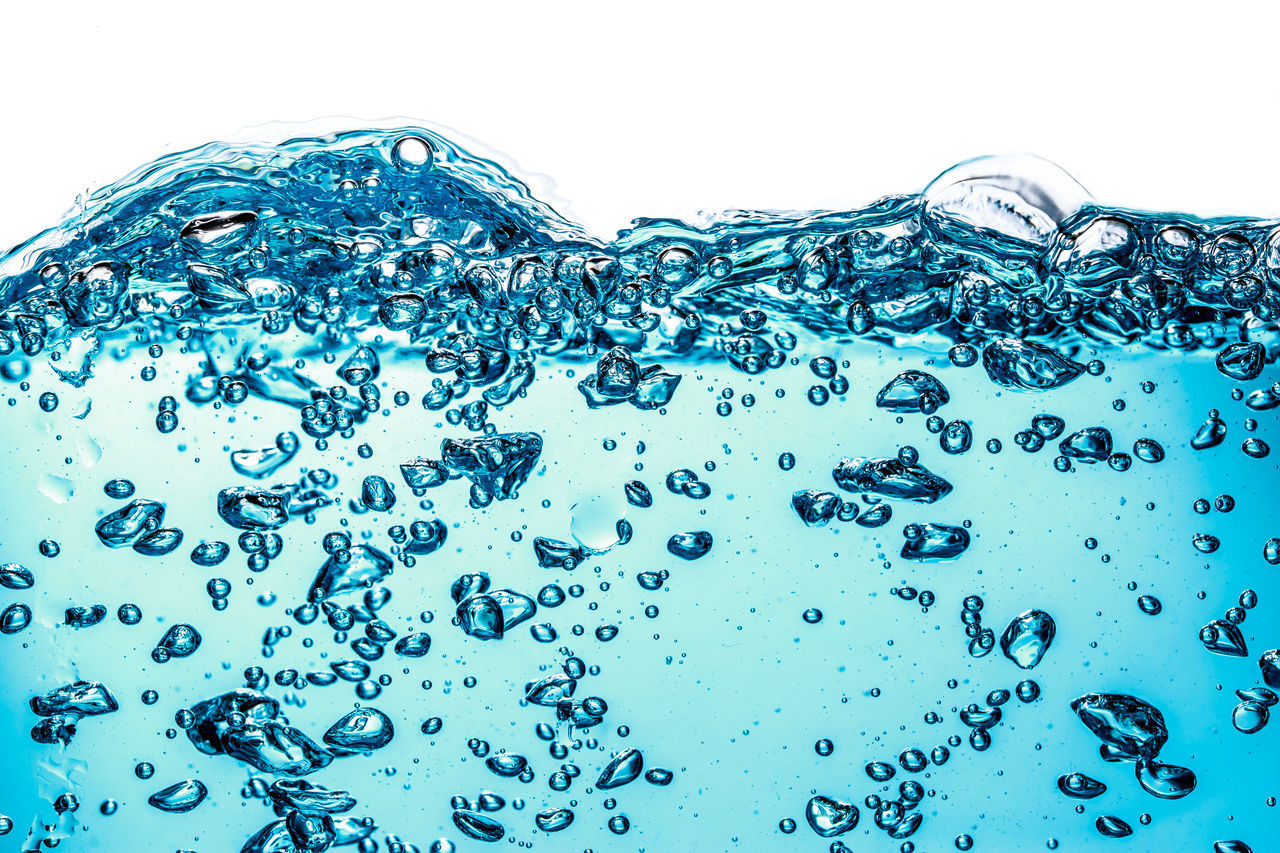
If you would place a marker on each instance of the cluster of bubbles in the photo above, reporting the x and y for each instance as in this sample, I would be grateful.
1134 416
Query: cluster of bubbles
345 234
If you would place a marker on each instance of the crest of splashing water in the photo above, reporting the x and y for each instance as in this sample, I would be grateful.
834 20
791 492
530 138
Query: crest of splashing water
401 230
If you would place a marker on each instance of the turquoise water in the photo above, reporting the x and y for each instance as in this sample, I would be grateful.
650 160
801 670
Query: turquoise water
357 498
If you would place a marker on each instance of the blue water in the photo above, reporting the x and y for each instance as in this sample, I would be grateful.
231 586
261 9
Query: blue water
356 498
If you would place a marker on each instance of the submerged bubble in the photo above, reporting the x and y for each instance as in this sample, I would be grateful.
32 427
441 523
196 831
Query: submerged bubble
498 464
621 770
1092 444
361 730
478 826
690 546
249 508
1242 361
422 473
118 488
1166 781
84 617
1081 787
210 554
1130 725
829 817
1256 448
1224 638
1148 450
1269 663
377 494
360 367
963 355
1210 434
179 641
258 464
554 820
1027 638
126 525
638 494
815 507
956 437
1149 605
913 391
1231 847
14 576
15 618
934 542
1250 717
890 478
1113 827
1026 365
179 797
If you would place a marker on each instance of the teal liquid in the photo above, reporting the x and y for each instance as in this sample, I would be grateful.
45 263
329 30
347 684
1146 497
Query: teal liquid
772 669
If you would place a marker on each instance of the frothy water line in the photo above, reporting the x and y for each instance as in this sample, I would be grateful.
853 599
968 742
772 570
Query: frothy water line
401 230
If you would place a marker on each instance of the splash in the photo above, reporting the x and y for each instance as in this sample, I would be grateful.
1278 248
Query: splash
402 233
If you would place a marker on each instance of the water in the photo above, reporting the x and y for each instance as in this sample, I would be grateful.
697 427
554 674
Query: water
357 498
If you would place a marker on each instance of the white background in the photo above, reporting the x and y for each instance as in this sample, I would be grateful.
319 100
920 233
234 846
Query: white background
663 108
